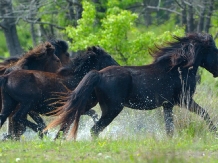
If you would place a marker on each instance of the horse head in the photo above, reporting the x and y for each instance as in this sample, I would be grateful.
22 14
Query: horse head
101 57
61 51
40 58
193 50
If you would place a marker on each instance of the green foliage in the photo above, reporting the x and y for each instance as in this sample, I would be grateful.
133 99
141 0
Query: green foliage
118 34
3 46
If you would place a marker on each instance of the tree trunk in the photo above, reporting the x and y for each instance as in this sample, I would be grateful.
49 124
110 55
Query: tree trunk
32 16
184 15
77 9
208 18
201 18
190 19
147 14
9 28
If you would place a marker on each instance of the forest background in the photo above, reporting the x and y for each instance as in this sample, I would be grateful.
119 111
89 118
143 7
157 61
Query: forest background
127 29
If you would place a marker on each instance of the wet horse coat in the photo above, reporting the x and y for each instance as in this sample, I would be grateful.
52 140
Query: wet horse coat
170 80
41 58
35 90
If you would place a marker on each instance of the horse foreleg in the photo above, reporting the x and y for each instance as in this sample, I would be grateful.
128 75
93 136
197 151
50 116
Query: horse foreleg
8 105
40 122
20 117
168 118
10 127
194 107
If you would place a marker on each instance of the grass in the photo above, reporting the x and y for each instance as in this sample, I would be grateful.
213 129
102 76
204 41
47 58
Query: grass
134 136
179 149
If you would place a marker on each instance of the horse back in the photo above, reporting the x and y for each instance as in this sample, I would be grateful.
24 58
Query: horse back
25 84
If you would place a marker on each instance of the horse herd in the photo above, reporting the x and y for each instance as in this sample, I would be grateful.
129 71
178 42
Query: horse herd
46 81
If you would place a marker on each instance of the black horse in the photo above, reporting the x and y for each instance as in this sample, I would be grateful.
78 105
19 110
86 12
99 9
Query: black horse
168 81
35 91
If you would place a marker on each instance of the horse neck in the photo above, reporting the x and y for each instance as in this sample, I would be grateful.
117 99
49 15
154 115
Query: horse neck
73 79
33 65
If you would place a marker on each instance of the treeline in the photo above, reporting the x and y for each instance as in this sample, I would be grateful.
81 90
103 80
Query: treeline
127 29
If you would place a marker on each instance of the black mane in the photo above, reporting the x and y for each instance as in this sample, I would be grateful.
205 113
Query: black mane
183 49
83 60
60 46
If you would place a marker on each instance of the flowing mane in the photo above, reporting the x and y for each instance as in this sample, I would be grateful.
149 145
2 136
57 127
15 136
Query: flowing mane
60 46
183 50
36 53
85 60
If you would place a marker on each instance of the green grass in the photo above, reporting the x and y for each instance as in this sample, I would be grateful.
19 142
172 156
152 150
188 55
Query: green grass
134 136
180 149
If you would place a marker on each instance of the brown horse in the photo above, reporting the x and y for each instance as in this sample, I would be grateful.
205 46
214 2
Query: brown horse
40 58
36 89
168 81
61 51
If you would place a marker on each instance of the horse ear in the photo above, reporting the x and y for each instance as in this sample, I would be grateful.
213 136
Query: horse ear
95 49
49 48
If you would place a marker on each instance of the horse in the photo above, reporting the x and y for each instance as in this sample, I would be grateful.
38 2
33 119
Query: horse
169 80
36 92
40 58
61 51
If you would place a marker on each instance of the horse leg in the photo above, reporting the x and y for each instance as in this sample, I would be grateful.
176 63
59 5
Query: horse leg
106 118
8 105
92 114
20 117
16 128
168 118
63 129
40 122
194 107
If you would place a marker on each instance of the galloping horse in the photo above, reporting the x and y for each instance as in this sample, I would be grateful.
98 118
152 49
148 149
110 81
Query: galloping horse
40 58
168 81
36 89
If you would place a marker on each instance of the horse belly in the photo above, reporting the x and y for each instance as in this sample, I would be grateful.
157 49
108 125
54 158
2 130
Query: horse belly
143 102
145 98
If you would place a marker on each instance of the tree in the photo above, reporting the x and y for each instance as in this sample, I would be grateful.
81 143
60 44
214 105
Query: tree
117 33
8 25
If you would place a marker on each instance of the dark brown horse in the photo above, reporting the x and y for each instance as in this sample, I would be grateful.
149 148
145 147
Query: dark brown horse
35 90
40 58
168 81
61 51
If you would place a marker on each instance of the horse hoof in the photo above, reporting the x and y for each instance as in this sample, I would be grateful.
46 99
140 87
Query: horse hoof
6 137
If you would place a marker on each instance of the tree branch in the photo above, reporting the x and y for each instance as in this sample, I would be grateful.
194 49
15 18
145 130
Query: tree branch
47 23
165 9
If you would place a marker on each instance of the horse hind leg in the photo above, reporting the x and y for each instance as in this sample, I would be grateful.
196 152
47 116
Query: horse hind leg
106 118
168 118
92 114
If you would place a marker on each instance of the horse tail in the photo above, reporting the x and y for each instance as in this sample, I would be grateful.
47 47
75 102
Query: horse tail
76 103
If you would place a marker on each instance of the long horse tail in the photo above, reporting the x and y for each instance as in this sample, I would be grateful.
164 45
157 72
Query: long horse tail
76 103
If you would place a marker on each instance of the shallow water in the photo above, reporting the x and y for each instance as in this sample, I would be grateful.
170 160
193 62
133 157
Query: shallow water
129 124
